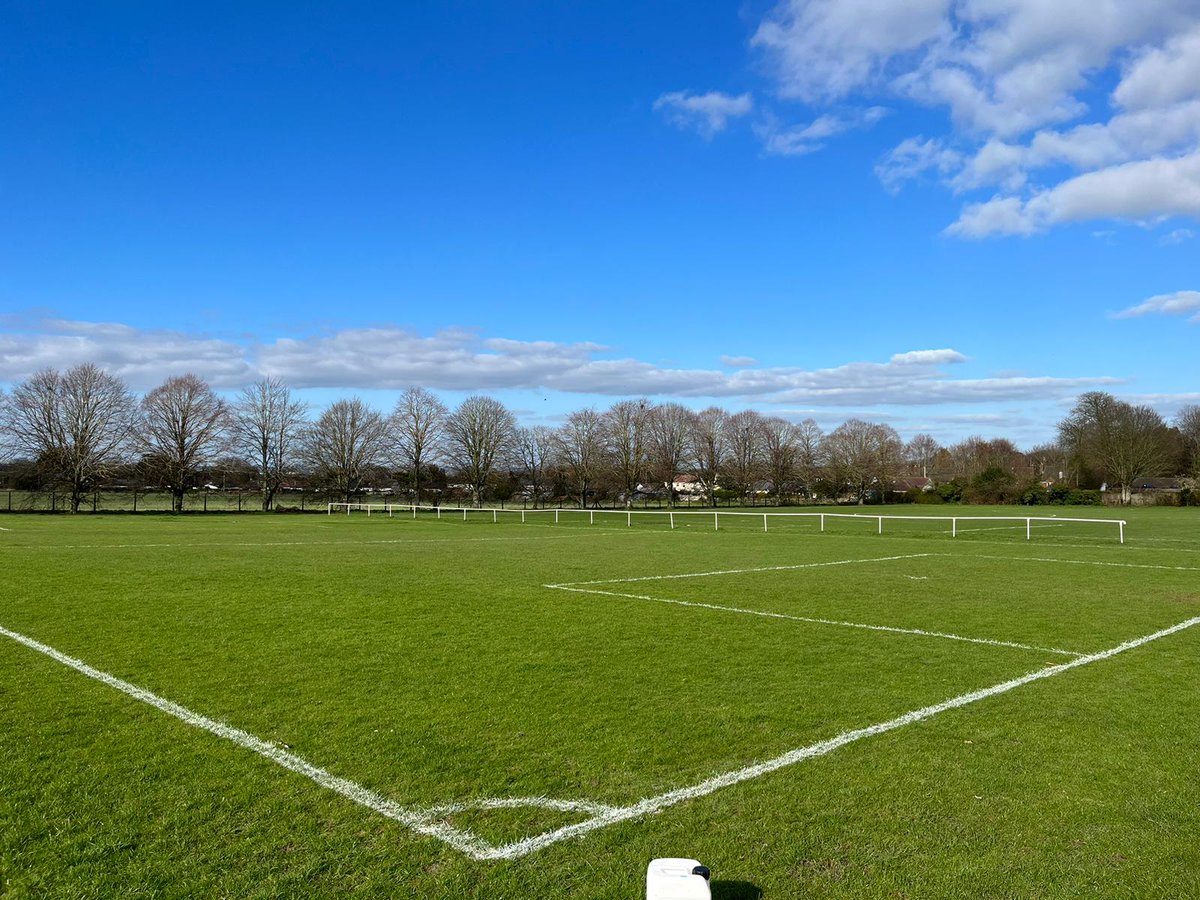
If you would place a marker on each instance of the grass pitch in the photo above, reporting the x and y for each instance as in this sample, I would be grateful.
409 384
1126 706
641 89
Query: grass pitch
448 667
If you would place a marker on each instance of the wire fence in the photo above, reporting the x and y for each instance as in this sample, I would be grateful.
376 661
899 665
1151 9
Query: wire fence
146 501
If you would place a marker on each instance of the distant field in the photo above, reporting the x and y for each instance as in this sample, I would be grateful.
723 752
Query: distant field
445 708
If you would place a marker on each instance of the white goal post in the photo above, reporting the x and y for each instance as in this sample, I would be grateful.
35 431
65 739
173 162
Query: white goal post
671 517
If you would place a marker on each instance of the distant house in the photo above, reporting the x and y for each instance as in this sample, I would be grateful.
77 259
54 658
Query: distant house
687 485
915 483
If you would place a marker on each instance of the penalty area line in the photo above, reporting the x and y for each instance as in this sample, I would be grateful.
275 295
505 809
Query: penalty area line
891 629
791 568
652 805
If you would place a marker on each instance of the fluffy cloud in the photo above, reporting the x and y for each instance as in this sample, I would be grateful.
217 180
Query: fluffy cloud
706 113
463 360
1140 191
1018 79
141 357
1180 303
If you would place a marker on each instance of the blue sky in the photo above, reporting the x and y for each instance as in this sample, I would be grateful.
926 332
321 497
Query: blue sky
950 215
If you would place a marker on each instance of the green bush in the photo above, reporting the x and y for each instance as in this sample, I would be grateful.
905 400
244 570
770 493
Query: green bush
951 491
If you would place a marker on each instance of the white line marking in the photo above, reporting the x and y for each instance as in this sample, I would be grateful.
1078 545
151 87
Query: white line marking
774 615
651 805
1089 562
417 820
5 529
423 821
817 565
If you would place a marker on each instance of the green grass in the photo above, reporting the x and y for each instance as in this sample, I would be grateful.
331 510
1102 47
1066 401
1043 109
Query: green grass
428 662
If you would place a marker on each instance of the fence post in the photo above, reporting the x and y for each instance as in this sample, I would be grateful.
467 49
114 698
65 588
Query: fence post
1121 525
592 517
1028 529
556 517
716 521
954 527
822 522
439 509
764 522
522 517
493 516
672 515
629 519
881 524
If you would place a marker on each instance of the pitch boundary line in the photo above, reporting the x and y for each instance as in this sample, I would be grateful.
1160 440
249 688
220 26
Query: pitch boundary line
918 632
425 821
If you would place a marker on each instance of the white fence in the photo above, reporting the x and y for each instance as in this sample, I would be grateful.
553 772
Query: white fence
392 509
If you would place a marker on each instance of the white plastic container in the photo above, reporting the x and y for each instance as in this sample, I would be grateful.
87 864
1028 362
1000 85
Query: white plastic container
677 879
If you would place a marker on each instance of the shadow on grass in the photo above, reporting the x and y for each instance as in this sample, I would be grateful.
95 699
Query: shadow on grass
735 890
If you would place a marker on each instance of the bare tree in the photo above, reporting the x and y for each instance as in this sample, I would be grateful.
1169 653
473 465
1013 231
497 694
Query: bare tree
863 454
810 454
745 431
669 428
920 453
780 449
265 425
1123 441
709 448
183 425
625 434
418 424
534 449
344 444
580 446
75 424
479 433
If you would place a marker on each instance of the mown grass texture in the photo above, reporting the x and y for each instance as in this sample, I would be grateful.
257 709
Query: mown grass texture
428 661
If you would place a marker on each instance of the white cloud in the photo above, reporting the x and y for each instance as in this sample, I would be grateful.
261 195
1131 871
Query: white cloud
913 157
1180 303
823 50
799 140
1178 236
1160 76
707 113
1142 191
1019 80
141 357
463 360
928 357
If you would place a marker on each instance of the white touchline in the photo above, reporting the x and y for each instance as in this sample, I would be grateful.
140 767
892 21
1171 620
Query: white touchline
774 615
816 565
425 821
418 820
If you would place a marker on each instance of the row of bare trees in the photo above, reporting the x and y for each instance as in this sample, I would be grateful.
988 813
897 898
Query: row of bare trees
79 425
